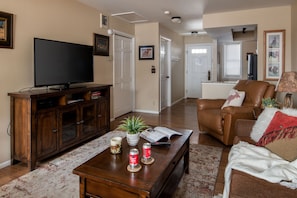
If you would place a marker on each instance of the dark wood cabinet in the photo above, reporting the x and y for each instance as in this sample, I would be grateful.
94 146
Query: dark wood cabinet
47 135
47 122
88 120
69 122
102 115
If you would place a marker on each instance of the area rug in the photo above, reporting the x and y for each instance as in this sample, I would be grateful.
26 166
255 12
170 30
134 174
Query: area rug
204 167
55 178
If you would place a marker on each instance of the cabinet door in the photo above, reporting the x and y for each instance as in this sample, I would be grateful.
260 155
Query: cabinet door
69 123
47 142
103 116
88 120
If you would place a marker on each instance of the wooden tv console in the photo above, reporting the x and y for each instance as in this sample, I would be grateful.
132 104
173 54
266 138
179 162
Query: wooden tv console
47 122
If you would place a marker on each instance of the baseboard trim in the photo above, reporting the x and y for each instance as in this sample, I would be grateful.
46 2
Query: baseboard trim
5 164
145 111
156 112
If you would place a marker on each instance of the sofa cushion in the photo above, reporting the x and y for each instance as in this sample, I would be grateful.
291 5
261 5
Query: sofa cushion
235 98
280 137
264 120
262 123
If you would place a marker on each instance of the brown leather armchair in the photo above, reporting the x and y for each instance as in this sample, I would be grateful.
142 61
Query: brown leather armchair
220 122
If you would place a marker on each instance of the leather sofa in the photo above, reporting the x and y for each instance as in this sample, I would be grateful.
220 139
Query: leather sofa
245 185
220 122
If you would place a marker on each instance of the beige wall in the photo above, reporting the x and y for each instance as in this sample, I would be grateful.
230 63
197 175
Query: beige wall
275 18
147 94
146 83
198 39
294 36
65 20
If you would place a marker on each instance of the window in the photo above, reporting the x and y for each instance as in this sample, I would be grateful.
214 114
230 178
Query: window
199 51
232 60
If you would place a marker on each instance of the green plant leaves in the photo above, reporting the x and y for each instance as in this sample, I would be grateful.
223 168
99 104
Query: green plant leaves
132 125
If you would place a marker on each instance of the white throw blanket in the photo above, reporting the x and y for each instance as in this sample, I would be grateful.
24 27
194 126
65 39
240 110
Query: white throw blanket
261 163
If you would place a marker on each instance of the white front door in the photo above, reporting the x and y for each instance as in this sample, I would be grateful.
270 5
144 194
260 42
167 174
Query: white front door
198 68
165 72
123 88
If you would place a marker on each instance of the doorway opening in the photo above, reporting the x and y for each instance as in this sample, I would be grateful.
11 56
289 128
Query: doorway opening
165 73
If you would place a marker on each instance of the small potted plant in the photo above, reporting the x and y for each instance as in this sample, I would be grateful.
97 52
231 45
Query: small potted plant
133 126
269 102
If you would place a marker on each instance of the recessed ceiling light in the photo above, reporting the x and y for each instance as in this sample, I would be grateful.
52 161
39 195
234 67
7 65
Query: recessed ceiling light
176 19
167 12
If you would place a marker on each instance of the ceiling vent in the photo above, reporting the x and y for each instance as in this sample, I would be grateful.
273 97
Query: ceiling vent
131 17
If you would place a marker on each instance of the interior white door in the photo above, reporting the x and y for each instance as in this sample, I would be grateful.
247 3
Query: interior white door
123 76
198 68
165 72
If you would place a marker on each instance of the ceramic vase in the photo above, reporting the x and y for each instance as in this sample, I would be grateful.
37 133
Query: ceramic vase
133 139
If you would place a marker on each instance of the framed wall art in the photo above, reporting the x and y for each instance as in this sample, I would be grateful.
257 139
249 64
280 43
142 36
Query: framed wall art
6 30
103 21
146 52
101 45
274 54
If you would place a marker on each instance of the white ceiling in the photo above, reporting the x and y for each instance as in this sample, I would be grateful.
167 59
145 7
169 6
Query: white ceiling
190 11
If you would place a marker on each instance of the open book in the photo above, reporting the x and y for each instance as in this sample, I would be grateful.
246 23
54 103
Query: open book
158 133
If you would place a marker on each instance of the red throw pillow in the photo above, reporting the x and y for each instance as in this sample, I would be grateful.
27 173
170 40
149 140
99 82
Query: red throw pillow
280 137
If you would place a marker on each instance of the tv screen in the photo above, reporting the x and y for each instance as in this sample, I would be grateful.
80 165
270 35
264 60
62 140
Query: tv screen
61 63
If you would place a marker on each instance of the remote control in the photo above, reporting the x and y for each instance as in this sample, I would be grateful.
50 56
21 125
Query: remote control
160 144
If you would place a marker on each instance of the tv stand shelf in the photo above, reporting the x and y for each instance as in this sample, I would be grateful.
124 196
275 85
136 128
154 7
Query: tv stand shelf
47 122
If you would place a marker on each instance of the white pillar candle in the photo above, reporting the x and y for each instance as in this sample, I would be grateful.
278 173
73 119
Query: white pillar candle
115 145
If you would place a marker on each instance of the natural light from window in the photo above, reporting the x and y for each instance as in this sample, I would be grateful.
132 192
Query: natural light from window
232 60
199 51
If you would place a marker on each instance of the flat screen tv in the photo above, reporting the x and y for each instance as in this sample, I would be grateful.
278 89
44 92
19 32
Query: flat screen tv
62 63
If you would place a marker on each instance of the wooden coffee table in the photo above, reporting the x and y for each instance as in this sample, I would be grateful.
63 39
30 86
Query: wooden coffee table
106 175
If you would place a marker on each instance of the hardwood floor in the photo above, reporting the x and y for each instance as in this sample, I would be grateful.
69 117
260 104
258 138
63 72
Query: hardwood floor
181 115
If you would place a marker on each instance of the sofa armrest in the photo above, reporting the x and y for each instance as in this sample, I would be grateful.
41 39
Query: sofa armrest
234 113
235 110
248 186
209 103
243 129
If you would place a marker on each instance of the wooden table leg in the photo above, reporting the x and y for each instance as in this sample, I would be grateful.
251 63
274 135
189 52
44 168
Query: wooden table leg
82 187
187 158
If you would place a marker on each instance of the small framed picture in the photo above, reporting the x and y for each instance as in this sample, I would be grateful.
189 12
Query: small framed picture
103 21
6 30
274 47
101 45
146 52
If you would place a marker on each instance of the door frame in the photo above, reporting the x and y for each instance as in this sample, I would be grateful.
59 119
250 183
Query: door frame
168 102
111 58
211 45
